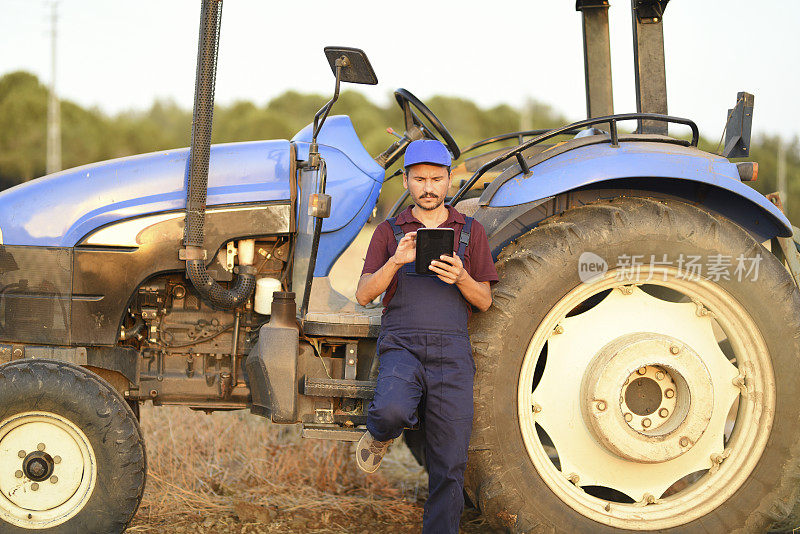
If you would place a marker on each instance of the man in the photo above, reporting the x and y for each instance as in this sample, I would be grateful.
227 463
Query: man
426 367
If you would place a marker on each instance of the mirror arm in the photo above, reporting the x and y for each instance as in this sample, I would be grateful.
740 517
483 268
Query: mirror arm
325 110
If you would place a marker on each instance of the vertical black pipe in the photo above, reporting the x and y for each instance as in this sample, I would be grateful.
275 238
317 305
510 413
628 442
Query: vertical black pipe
648 62
197 180
597 59
202 118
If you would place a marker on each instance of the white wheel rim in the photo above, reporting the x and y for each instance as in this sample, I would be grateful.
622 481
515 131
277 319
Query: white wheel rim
29 442
556 404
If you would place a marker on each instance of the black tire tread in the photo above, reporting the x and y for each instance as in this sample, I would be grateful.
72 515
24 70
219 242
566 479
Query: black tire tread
55 381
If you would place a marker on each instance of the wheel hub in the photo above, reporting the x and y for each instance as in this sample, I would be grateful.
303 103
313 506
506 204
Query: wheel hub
664 396
38 466
580 400
47 469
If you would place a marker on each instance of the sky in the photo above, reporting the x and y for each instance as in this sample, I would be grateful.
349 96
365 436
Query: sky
119 56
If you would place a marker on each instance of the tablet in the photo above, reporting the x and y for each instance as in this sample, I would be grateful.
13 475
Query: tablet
431 244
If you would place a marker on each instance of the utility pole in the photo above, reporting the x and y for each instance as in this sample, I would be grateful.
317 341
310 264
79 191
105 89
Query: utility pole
782 174
53 105
526 114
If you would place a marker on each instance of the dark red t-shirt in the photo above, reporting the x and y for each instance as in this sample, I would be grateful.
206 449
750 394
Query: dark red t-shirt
477 258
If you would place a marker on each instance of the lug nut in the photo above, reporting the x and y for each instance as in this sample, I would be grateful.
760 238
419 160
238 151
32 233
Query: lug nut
663 412
684 441
659 375
40 447
559 329
574 478
22 454
641 370
628 417
54 479
536 408
646 422
674 349
57 459
34 487
601 406
19 474
669 393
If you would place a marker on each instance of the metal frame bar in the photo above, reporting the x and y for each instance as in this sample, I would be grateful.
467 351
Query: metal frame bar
648 63
511 135
596 58
614 137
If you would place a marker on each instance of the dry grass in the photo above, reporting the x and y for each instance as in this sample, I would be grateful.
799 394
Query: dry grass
236 464
235 472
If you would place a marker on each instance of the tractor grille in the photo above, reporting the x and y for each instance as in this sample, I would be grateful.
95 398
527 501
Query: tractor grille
35 294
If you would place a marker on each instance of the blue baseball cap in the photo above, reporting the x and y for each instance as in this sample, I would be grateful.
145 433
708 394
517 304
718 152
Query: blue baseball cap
427 151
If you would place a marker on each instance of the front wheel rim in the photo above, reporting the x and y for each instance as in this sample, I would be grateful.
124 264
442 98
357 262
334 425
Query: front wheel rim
746 389
48 470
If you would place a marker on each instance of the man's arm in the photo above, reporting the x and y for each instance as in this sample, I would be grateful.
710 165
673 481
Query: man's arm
451 270
372 285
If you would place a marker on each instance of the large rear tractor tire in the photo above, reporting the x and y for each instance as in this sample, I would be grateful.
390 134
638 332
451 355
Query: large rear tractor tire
72 456
619 388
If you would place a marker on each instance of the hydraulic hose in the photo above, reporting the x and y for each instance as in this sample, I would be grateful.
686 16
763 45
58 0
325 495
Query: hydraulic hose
197 181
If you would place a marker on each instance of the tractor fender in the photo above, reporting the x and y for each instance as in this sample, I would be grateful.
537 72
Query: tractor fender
514 203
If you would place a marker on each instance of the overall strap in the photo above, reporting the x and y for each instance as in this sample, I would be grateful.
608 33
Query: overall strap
463 241
398 232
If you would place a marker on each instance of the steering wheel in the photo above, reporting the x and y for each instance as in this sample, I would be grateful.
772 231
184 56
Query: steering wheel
416 129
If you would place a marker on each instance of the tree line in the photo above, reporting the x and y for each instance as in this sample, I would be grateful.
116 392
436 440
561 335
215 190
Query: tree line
89 135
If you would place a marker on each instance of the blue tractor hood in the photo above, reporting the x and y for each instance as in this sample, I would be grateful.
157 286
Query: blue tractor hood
59 209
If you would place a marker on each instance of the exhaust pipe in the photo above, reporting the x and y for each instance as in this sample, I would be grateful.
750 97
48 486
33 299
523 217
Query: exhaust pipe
197 181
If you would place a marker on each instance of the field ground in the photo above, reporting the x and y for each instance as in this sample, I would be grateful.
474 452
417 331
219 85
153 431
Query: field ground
236 473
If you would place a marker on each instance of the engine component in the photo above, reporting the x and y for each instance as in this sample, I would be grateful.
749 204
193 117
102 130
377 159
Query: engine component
275 355
265 287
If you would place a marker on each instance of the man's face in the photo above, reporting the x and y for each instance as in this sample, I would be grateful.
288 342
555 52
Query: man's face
427 184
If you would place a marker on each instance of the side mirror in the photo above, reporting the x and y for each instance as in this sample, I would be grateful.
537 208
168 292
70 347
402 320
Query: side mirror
738 126
348 65
355 67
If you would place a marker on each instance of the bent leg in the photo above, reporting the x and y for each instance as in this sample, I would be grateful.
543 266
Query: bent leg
397 393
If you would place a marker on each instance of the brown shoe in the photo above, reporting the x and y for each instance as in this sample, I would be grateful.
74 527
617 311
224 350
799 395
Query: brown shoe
369 452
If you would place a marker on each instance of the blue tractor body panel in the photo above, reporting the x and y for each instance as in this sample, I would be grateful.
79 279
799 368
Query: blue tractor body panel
354 182
60 209
598 163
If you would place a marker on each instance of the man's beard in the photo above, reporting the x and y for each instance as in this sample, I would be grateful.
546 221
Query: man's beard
420 206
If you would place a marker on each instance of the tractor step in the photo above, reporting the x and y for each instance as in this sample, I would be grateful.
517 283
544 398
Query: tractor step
335 387
333 432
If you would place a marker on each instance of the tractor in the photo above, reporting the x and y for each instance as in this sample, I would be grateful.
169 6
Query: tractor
636 371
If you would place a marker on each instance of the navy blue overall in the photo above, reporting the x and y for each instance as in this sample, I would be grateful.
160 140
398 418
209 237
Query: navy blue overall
426 362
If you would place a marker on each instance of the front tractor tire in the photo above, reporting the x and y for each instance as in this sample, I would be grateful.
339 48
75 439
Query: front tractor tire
72 456
642 399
